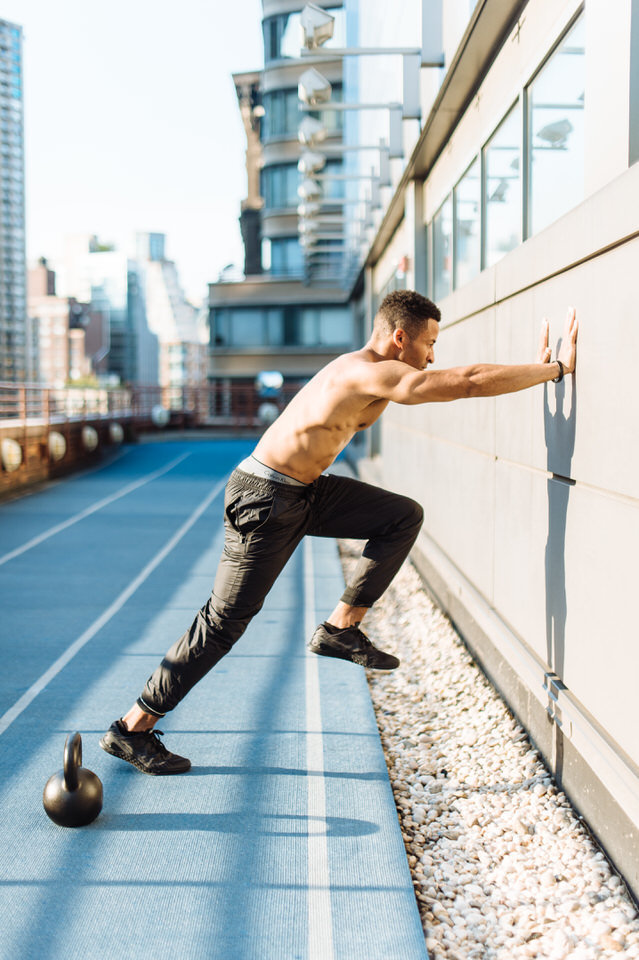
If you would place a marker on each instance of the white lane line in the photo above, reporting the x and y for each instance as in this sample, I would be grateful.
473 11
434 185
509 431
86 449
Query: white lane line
13 712
89 510
320 924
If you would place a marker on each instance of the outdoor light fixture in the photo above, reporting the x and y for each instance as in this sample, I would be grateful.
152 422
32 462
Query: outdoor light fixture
310 162
313 88
308 209
311 132
316 31
317 26
309 190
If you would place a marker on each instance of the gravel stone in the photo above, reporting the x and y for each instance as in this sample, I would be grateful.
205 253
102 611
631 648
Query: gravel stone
503 868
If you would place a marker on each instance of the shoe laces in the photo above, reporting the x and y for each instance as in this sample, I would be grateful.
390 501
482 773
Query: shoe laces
361 636
152 738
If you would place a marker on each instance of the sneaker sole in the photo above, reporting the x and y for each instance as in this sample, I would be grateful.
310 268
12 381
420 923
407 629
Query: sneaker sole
113 750
331 652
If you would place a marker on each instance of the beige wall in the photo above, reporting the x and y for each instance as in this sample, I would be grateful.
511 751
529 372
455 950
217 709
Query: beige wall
532 499
552 562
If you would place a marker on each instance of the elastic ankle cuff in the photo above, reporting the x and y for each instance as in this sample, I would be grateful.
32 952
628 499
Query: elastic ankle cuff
147 709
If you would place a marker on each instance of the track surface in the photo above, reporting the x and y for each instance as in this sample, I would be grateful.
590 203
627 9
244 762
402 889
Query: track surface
282 842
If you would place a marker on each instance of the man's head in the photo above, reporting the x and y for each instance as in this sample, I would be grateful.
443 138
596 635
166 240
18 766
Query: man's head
410 323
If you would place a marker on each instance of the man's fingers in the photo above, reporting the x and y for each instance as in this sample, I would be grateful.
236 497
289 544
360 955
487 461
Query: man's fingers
544 351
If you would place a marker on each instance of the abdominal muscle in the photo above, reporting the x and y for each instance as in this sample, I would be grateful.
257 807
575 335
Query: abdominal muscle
317 425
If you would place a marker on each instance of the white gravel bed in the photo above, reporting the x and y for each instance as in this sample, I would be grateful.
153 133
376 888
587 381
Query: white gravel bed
502 865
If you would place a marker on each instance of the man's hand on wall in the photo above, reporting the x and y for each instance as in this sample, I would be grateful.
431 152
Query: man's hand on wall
568 348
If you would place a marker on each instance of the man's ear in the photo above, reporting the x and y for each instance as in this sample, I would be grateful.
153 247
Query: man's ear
399 338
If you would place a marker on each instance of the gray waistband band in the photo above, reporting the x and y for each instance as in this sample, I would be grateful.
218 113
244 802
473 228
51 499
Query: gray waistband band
253 466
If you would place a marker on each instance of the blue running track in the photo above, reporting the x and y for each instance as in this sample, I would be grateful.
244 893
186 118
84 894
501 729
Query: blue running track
282 842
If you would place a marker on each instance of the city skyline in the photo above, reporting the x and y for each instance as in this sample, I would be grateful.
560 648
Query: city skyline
116 144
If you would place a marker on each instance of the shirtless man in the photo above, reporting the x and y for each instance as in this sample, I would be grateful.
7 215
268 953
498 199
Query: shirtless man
280 493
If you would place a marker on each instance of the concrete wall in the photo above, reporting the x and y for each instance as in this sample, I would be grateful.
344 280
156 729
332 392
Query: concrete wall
532 499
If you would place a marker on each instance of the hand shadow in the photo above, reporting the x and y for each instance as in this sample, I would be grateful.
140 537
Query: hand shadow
559 432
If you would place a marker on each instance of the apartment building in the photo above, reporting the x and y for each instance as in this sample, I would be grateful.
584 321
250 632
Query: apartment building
13 292
272 317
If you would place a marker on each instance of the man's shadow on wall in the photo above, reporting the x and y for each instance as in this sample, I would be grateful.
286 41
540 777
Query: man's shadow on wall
559 432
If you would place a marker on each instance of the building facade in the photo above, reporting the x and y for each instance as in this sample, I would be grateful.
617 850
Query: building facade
113 284
182 331
272 318
13 334
517 196
56 332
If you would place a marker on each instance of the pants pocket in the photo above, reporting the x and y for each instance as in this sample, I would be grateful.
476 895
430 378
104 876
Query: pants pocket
249 511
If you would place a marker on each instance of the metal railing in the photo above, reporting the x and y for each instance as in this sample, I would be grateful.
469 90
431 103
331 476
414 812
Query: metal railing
222 402
47 431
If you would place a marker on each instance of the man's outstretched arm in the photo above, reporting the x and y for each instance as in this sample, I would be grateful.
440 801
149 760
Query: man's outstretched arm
480 379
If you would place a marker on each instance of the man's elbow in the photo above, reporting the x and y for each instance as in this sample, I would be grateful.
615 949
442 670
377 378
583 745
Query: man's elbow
470 384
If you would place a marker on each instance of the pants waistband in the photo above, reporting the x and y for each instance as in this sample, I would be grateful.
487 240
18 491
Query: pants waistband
257 469
304 492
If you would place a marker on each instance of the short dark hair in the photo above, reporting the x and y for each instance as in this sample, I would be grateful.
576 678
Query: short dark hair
408 310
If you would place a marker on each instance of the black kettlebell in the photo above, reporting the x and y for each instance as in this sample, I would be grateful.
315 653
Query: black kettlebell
73 796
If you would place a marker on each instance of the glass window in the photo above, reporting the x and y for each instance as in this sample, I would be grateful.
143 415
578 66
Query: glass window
282 113
467 229
556 132
336 327
502 171
443 249
308 327
279 185
247 328
333 189
286 257
275 327
220 323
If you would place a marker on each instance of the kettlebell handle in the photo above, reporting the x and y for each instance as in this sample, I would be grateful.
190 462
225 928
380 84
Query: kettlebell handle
72 760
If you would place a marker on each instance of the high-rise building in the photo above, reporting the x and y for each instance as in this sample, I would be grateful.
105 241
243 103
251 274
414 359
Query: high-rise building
113 283
272 318
182 335
12 244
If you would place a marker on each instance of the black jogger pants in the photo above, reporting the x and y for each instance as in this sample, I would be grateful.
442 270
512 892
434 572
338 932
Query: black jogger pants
264 522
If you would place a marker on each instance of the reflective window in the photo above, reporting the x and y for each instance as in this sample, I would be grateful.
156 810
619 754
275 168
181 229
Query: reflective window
467 229
443 249
247 328
274 326
282 113
286 257
293 325
556 132
279 185
336 327
333 189
502 172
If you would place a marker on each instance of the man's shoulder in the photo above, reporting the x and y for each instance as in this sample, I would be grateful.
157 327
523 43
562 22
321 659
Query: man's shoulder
365 373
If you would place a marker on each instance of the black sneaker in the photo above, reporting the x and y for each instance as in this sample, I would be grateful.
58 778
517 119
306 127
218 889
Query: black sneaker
350 644
144 750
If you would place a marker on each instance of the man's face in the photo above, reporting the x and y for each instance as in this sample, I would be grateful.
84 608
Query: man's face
420 351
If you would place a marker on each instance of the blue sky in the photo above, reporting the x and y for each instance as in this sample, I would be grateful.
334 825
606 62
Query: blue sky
132 123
